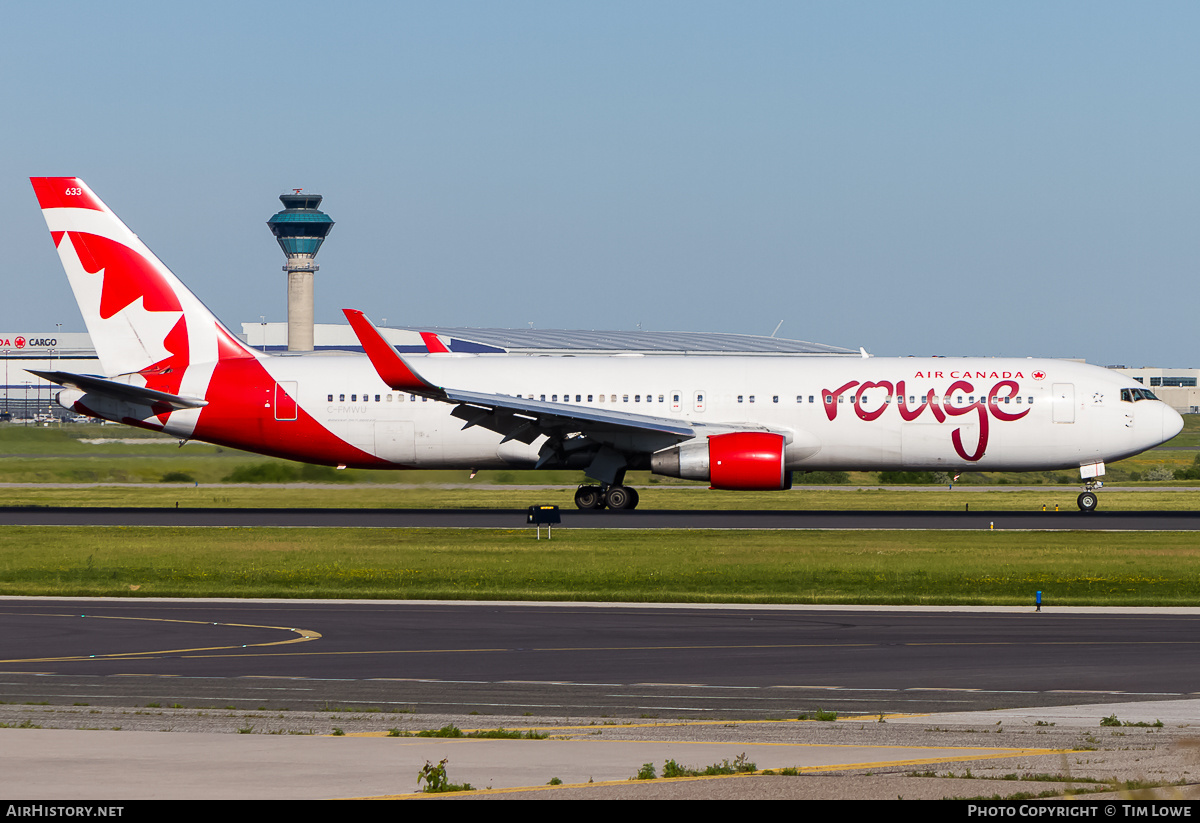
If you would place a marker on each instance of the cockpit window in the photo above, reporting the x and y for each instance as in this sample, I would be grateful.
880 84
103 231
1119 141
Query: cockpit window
1134 395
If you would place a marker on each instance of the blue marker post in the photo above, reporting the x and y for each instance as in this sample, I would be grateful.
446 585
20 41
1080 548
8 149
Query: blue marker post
1039 601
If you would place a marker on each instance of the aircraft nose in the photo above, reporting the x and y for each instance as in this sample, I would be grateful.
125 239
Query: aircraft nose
1172 423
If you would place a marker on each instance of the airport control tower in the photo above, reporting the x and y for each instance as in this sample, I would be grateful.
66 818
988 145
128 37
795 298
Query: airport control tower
300 229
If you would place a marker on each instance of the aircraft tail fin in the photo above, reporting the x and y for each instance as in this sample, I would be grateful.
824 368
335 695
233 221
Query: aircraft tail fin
141 318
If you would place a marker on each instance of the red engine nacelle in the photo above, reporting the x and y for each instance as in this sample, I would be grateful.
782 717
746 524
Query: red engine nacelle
748 461
738 461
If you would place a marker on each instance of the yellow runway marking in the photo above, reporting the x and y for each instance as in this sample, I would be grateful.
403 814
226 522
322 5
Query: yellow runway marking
304 636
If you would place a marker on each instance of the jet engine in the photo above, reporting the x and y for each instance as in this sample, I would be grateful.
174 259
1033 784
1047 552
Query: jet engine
738 461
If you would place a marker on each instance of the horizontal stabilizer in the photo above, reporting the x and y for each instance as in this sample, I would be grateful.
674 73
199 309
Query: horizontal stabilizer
94 384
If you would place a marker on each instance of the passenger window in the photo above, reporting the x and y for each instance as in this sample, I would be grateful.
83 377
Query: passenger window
775 399
590 398
376 398
739 398
331 397
354 398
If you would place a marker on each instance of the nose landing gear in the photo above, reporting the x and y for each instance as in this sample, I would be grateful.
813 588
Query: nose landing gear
1090 473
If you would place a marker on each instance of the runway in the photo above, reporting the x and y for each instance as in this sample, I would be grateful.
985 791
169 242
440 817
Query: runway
574 660
572 518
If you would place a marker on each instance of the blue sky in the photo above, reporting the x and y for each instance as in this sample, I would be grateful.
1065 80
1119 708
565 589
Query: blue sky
916 178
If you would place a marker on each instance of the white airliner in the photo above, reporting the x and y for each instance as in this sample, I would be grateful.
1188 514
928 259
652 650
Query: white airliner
737 422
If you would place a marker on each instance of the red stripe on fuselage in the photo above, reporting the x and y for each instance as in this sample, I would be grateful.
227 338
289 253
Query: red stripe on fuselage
240 414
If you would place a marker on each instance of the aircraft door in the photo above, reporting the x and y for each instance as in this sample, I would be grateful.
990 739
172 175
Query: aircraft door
394 441
286 393
1063 400
676 401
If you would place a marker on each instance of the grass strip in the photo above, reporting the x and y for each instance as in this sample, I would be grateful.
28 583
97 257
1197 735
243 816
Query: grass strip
681 566
92 453
652 498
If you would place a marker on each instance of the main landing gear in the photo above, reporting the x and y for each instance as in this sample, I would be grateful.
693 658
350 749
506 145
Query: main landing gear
616 498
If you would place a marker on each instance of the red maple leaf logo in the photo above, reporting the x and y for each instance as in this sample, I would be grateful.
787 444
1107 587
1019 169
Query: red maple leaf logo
1039 375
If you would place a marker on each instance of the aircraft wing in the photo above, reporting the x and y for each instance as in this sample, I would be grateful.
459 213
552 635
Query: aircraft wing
516 418
94 384
536 416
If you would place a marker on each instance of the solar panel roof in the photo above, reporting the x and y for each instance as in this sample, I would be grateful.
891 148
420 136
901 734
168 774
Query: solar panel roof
663 342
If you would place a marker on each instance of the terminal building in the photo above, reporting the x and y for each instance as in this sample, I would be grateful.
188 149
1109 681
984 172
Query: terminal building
273 337
26 396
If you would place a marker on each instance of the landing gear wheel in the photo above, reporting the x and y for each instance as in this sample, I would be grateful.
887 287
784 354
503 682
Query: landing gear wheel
620 498
589 497
1087 502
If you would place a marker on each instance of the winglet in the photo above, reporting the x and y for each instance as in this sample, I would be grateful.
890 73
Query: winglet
432 344
386 360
